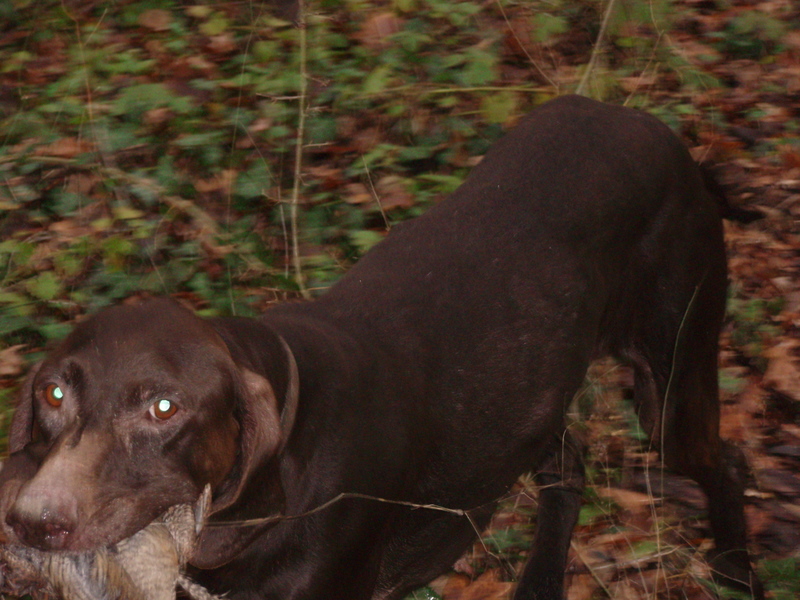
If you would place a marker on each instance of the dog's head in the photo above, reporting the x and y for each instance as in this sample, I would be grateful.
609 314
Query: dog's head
137 410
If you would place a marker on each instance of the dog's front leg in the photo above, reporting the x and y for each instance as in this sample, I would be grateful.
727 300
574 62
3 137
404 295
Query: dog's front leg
561 481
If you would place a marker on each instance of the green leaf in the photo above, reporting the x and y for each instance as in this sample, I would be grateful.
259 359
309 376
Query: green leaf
480 67
589 513
644 549
124 213
16 305
365 239
199 140
137 99
425 593
253 182
547 26
216 25
499 107
44 286
378 80
54 331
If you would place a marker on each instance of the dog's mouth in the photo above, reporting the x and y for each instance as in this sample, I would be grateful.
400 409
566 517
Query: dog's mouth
46 537
75 526
151 559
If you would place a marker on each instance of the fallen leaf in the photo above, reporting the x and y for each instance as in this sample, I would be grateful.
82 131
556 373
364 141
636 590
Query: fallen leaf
64 148
357 193
454 586
486 587
779 480
581 587
81 183
631 501
12 364
155 19
222 43
783 369
624 590
376 30
157 116
393 193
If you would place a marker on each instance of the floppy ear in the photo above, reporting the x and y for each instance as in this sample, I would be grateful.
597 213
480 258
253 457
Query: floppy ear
291 398
265 425
21 432
264 433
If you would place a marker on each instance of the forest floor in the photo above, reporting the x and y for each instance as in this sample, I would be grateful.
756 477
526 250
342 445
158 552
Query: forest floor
136 143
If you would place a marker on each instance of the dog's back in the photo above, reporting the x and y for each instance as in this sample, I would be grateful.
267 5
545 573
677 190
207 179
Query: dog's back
586 231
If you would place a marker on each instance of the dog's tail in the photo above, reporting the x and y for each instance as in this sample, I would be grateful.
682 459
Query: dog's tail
726 209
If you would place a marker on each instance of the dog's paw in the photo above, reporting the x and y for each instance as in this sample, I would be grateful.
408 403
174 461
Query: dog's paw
732 569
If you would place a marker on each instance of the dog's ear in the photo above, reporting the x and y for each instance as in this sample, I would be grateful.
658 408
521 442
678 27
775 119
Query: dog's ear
291 396
265 422
21 431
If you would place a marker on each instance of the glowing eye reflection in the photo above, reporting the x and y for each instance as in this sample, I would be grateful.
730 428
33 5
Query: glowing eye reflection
163 409
53 395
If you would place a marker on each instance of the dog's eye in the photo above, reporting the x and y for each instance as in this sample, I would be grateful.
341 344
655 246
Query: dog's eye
53 395
163 409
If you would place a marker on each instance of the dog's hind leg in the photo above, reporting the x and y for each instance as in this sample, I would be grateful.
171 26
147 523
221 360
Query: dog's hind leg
677 397
560 481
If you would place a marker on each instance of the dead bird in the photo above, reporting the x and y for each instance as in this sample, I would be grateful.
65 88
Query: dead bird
146 566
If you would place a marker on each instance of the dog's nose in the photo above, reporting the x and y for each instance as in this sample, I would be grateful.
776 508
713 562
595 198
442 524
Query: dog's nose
43 519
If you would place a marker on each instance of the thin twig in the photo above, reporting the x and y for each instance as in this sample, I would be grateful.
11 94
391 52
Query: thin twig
348 495
343 496
663 424
596 50
298 150
375 194
591 568
524 49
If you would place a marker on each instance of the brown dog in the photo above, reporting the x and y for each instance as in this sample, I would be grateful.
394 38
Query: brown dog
436 372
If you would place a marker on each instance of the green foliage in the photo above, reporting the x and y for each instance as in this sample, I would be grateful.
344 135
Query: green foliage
782 577
158 159
206 111
425 593
508 542
751 34
752 331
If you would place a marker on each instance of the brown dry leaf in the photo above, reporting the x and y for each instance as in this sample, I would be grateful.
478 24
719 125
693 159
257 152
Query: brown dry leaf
330 178
518 36
633 502
155 19
486 587
356 193
222 44
624 590
157 116
260 124
606 542
376 30
639 83
735 423
783 370
11 362
454 586
81 183
220 182
790 158
200 63
581 587
64 148
780 481
68 230
393 193
365 139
